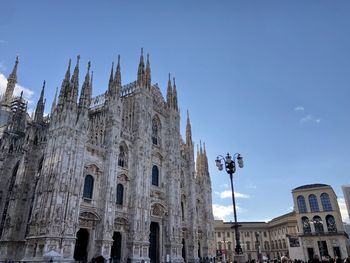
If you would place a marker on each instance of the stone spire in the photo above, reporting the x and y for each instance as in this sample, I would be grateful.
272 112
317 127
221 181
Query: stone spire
148 73
205 159
110 82
174 95
64 87
75 82
201 160
85 95
11 83
118 78
169 94
53 106
40 106
141 71
188 131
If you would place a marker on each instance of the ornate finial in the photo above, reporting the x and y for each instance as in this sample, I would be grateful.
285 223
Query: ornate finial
69 63
17 59
174 81
78 58
44 84
188 115
118 59
21 94
147 57
142 51
169 76
89 65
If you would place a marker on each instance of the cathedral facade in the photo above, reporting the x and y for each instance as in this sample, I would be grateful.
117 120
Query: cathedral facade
109 175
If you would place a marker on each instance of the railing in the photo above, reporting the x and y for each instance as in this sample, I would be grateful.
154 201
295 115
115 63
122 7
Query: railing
128 89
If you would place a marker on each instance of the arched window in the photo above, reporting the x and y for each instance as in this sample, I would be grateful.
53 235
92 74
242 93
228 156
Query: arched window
156 131
284 243
306 225
313 203
279 244
120 194
318 224
272 245
155 175
123 156
301 204
331 226
326 202
88 186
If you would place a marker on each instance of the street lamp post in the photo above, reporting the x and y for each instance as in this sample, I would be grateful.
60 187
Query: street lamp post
230 166
257 246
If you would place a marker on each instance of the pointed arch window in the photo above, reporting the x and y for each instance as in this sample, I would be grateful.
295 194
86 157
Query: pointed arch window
120 194
88 186
155 175
313 203
331 226
301 204
123 156
318 224
155 131
326 202
306 225
182 211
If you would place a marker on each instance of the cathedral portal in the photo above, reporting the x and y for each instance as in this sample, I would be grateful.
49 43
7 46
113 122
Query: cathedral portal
154 243
81 245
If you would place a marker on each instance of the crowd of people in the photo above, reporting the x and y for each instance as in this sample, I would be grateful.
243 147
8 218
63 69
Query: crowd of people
285 259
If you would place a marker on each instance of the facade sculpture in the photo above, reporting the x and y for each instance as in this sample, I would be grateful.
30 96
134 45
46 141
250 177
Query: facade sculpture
106 176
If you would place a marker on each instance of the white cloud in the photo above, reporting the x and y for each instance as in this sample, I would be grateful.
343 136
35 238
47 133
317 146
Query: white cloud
343 210
228 194
27 93
310 118
299 108
222 212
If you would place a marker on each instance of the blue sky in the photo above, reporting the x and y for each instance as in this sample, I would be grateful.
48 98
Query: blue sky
268 79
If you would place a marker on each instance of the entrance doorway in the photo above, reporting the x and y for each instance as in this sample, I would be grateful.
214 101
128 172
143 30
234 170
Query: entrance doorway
153 252
81 244
116 247
310 253
322 246
336 251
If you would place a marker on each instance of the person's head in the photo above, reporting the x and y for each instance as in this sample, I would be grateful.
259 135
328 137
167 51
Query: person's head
284 259
347 260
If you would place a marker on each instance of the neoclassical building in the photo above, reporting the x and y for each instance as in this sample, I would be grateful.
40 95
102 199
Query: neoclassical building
314 227
106 176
